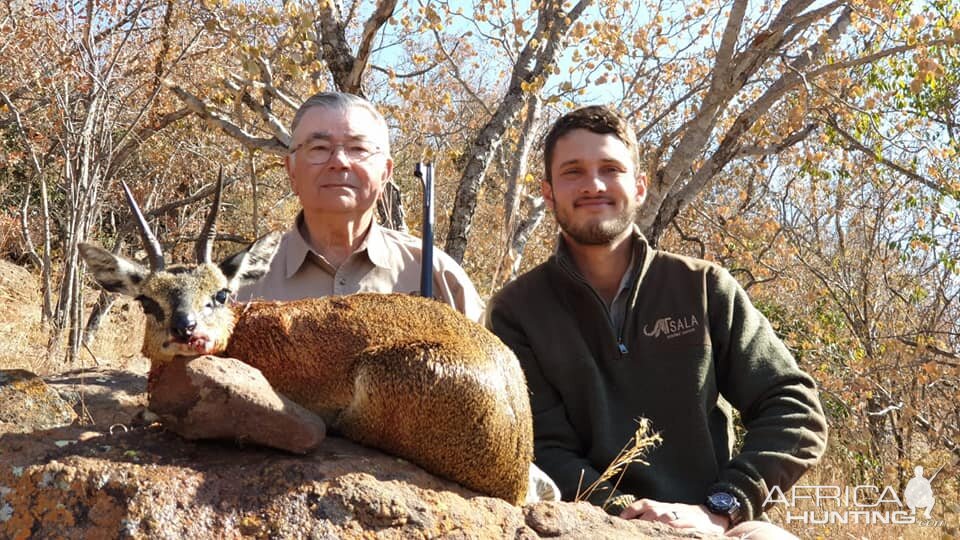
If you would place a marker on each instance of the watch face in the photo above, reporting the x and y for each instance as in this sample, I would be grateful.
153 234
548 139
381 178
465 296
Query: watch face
722 502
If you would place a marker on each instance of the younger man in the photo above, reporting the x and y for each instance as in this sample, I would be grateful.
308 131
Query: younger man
609 329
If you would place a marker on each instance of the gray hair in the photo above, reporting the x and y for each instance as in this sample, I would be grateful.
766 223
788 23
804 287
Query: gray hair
341 101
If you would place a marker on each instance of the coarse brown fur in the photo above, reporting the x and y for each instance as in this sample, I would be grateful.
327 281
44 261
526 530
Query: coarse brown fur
405 374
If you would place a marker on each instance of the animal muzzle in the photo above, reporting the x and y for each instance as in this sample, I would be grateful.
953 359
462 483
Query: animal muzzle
183 325
183 330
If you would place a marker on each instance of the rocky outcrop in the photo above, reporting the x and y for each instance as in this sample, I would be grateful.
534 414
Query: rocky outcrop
149 483
119 478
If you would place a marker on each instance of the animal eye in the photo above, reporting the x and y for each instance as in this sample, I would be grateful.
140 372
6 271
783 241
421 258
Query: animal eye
221 296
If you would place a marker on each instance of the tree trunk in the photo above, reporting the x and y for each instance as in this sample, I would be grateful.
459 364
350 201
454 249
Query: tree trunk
256 196
100 310
517 231
536 209
520 164
29 249
540 52
390 208
75 339
102 306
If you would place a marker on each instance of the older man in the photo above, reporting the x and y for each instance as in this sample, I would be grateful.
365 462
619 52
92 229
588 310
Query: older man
338 164
610 329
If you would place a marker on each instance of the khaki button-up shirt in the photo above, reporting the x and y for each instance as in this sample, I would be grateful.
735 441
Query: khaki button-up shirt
387 261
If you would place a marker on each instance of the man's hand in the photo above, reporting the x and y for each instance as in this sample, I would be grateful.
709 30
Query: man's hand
679 515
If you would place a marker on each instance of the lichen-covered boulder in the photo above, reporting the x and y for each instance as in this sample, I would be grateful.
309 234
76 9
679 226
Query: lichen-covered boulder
28 404
118 477
150 483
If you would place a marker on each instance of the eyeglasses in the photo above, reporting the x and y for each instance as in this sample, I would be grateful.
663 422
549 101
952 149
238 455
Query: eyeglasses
319 151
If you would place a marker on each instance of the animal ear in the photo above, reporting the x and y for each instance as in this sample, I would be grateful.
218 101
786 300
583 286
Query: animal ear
113 273
252 263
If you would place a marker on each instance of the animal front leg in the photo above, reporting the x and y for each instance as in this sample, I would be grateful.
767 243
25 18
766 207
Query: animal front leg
223 398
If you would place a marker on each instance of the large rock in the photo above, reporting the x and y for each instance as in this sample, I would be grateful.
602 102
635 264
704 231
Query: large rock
27 403
139 481
223 398
150 483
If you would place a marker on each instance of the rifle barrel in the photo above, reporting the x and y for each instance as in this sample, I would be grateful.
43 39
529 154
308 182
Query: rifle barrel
425 173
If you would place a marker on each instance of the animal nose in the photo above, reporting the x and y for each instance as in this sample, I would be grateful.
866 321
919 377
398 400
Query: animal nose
183 325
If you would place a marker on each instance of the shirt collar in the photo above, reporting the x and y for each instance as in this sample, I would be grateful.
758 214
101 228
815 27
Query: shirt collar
297 249
376 246
627 278
638 258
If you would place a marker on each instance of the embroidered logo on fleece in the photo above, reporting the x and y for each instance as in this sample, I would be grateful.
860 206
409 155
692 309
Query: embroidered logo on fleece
671 327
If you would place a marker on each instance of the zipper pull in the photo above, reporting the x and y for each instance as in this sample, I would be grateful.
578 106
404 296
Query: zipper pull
623 348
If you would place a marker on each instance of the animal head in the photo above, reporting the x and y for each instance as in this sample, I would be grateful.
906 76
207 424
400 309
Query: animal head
187 306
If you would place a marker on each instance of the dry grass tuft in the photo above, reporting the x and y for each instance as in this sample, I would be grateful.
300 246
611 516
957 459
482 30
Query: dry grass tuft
24 339
633 452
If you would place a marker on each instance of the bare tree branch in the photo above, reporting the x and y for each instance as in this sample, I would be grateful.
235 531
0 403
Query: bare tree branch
142 135
666 199
273 145
292 103
721 71
540 52
46 272
376 21
776 148
932 348
855 144
455 69
347 68
276 126
415 73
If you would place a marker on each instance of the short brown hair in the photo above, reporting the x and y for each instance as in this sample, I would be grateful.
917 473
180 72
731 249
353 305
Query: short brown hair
596 118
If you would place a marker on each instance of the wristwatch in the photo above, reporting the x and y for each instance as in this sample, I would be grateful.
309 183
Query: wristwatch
725 504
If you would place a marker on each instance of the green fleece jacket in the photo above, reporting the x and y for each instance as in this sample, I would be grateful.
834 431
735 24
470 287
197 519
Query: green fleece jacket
690 336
